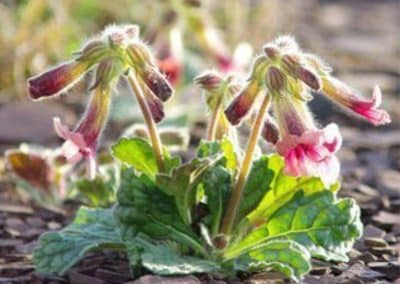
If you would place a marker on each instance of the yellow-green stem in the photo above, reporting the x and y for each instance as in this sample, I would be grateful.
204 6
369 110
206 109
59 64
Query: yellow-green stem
233 205
151 125
214 119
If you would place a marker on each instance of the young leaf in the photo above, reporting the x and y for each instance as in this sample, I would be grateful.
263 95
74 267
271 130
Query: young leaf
97 192
137 153
91 229
285 256
207 148
281 189
143 208
325 226
182 183
163 260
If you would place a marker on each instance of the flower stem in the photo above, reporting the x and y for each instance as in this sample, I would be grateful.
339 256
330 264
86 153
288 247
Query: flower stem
151 126
233 205
214 120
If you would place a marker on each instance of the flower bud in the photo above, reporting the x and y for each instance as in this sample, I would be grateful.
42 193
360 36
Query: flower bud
242 103
270 131
56 80
209 81
271 50
139 55
275 79
92 52
295 67
155 105
157 83
106 72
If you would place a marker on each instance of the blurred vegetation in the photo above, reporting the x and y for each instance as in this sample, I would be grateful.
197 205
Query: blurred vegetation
35 34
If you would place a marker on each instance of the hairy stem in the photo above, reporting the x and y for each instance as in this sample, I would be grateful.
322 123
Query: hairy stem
214 119
233 205
151 125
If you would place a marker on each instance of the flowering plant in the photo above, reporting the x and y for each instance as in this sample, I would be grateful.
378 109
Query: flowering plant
230 208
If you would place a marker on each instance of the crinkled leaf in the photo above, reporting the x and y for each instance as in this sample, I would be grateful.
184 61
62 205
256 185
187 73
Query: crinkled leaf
92 229
143 208
207 148
325 226
182 183
281 189
285 256
163 260
217 186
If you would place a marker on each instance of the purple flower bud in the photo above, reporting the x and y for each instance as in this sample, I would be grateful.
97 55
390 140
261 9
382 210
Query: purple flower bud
56 80
275 79
270 131
209 81
155 105
242 104
157 83
296 68
271 50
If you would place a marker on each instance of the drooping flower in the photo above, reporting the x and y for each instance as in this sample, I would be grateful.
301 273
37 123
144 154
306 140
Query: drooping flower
307 150
62 77
351 99
347 97
84 140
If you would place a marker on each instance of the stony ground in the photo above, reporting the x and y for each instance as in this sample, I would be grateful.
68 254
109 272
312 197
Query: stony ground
363 40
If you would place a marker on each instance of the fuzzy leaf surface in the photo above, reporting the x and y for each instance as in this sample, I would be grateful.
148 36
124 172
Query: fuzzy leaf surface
92 229
144 208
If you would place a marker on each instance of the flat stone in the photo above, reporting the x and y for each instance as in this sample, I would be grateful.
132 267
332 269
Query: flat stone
375 242
31 122
385 217
154 279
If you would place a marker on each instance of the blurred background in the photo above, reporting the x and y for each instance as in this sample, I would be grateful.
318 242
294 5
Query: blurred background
360 39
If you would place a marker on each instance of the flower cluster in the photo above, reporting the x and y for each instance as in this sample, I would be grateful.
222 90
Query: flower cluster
218 93
288 75
115 52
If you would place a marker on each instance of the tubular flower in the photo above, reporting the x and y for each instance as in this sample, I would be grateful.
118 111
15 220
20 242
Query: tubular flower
307 151
60 78
345 96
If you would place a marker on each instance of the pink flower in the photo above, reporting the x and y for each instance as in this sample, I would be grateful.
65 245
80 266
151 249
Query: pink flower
83 141
344 95
312 153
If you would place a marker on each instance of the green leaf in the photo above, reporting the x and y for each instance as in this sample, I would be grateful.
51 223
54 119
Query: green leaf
92 229
137 153
217 186
325 226
207 148
163 260
97 192
258 183
285 256
182 183
143 208
281 189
